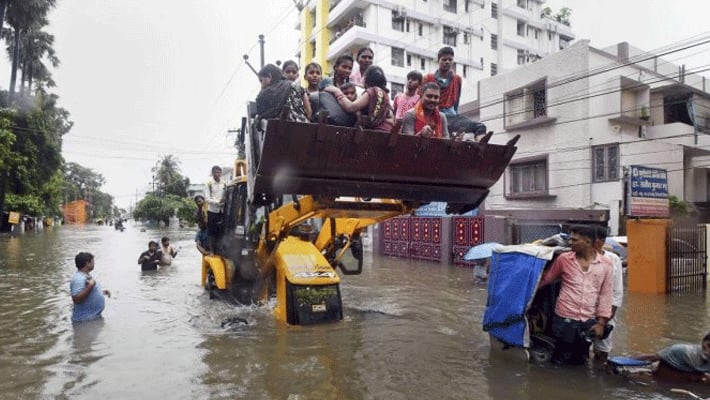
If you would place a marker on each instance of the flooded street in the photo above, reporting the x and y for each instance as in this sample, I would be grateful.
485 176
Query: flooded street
411 331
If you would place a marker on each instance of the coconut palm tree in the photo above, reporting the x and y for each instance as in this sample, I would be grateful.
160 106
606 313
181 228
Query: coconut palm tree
24 16
37 46
168 176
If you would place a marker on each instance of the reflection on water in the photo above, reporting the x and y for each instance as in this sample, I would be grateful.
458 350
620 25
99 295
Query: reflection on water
411 331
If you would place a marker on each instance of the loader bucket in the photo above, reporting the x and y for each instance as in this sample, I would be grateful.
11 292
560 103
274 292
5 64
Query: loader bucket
325 160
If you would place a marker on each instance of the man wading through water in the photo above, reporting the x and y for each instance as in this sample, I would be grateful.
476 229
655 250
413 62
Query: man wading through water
584 304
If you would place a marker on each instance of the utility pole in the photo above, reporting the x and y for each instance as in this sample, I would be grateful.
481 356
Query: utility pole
261 47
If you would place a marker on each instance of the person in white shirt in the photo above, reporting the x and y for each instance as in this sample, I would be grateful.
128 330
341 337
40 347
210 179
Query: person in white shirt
216 188
602 347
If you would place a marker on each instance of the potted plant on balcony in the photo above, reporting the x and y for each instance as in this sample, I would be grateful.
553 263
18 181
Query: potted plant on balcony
644 114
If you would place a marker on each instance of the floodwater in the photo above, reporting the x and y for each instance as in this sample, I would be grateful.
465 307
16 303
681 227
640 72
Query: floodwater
411 331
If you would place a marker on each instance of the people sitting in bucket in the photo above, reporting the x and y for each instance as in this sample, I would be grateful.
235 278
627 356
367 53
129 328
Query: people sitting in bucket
682 362
584 304
150 259
425 119
167 251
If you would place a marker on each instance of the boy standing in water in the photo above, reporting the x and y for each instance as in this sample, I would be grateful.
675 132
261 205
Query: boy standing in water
448 81
404 102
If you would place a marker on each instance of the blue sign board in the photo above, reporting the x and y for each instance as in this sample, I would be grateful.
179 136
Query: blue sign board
648 191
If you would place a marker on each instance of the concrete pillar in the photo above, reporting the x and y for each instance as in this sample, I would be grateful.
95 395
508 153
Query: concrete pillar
646 271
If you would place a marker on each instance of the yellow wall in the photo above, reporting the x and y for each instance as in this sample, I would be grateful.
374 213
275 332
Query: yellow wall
319 32
647 255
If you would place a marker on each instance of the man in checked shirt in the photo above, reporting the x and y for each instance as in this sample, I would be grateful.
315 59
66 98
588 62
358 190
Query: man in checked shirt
584 303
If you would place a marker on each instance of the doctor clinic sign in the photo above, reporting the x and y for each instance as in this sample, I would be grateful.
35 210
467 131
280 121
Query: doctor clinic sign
647 192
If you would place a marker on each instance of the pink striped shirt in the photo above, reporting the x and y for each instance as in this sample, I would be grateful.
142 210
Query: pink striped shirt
583 295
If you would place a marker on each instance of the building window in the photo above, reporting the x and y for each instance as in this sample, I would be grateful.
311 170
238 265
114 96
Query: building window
528 177
494 10
397 57
396 89
407 25
464 71
494 41
482 66
466 38
397 21
605 163
539 96
314 47
450 35
409 60
526 103
422 64
467 5
450 6
522 3
521 28
549 35
537 33
420 29
521 57
494 69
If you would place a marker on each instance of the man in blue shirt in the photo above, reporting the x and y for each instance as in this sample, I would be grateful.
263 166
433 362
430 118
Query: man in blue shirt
85 291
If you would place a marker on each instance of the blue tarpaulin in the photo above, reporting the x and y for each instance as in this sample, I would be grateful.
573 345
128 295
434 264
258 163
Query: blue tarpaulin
512 282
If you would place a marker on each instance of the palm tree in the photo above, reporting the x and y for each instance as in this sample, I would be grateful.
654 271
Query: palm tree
37 46
23 16
168 175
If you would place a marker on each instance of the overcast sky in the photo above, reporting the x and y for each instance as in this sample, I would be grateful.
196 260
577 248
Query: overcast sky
146 78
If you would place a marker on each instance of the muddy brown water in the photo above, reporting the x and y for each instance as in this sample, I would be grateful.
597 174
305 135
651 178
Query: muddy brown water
411 331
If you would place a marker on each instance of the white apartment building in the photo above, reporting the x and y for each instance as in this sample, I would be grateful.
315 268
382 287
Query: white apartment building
584 115
488 36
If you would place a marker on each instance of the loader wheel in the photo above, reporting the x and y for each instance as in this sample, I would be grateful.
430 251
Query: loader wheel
211 285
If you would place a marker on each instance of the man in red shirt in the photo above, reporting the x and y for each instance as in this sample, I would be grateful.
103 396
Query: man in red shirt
448 81
585 298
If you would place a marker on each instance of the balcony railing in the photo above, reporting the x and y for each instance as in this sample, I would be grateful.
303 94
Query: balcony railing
338 32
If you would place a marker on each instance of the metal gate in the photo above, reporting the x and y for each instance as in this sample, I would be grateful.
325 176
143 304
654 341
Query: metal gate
528 233
687 259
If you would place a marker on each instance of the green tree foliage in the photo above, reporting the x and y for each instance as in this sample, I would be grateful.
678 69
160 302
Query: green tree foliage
31 178
80 182
563 16
155 208
101 205
7 140
168 177
24 17
26 204
680 208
